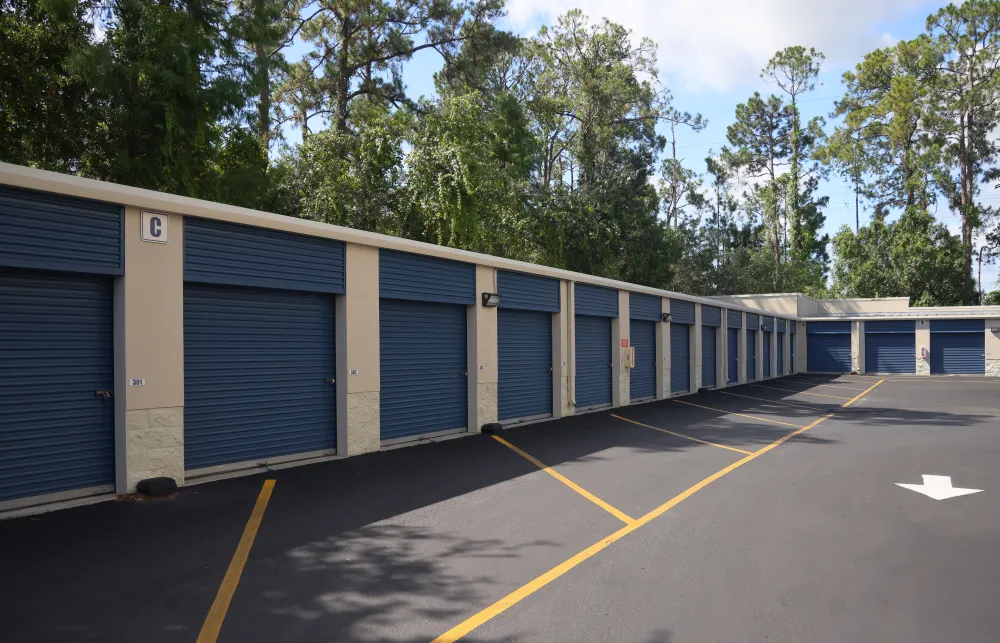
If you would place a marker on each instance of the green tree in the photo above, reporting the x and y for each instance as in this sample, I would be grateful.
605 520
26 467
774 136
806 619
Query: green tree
47 112
169 92
795 70
348 179
965 110
914 256
358 48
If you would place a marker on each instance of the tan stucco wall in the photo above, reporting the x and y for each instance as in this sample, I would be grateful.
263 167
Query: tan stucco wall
483 359
663 354
620 329
848 306
560 354
992 348
742 371
149 302
358 356
695 352
923 341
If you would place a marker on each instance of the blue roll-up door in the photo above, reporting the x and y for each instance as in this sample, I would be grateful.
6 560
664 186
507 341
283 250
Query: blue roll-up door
424 361
828 347
958 347
708 370
890 347
259 343
733 348
751 354
681 311
524 342
259 369
642 380
680 358
56 351
781 354
767 354
593 361
791 349
58 257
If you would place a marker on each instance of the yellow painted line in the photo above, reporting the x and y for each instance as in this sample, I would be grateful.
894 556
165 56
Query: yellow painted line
217 613
508 601
791 390
849 388
859 396
742 415
681 435
620 515
764 399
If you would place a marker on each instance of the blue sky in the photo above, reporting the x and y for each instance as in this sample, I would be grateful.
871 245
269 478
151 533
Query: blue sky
711 53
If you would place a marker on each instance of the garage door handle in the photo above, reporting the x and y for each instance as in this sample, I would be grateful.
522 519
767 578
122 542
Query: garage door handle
549 369
330 380
104 394
464 373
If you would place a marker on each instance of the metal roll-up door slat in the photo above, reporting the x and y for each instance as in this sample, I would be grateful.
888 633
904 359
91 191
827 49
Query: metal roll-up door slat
524 341
958 353
593 361
767 354
828 347
708 354
56 351
423 368
642 379
751 355
781 354
733 348
259 374
890 347
680 360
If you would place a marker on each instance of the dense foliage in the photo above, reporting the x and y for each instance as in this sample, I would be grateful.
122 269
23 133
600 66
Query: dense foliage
559 148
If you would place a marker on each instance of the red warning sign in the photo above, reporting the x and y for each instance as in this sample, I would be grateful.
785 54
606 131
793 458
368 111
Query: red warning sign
625 343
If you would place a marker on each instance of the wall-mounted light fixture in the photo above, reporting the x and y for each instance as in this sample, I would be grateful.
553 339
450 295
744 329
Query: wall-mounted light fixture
491 299
665 317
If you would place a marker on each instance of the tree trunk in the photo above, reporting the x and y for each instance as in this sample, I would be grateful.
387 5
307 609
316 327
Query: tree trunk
965 164
264 97
343 75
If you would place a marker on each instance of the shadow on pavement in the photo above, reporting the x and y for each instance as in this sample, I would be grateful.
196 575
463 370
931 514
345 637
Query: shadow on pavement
338 558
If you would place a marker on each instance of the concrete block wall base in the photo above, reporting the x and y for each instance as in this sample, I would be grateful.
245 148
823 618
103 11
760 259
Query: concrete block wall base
923 366
363 422
154 444
993 367
488 402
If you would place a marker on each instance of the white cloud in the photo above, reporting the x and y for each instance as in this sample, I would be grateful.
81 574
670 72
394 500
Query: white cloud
722 44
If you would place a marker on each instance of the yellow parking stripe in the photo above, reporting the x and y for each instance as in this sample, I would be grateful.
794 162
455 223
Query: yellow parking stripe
620 515
518 595
681 435
764 399
217 613
743 415
860 395
789 390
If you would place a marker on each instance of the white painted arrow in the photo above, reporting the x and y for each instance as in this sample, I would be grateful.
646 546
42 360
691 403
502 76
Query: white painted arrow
938 487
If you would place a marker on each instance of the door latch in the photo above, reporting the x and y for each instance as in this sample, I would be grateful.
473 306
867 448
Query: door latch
104 394
330 380
465 373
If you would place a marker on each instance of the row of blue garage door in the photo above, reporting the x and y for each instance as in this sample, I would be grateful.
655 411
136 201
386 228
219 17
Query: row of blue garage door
956 346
